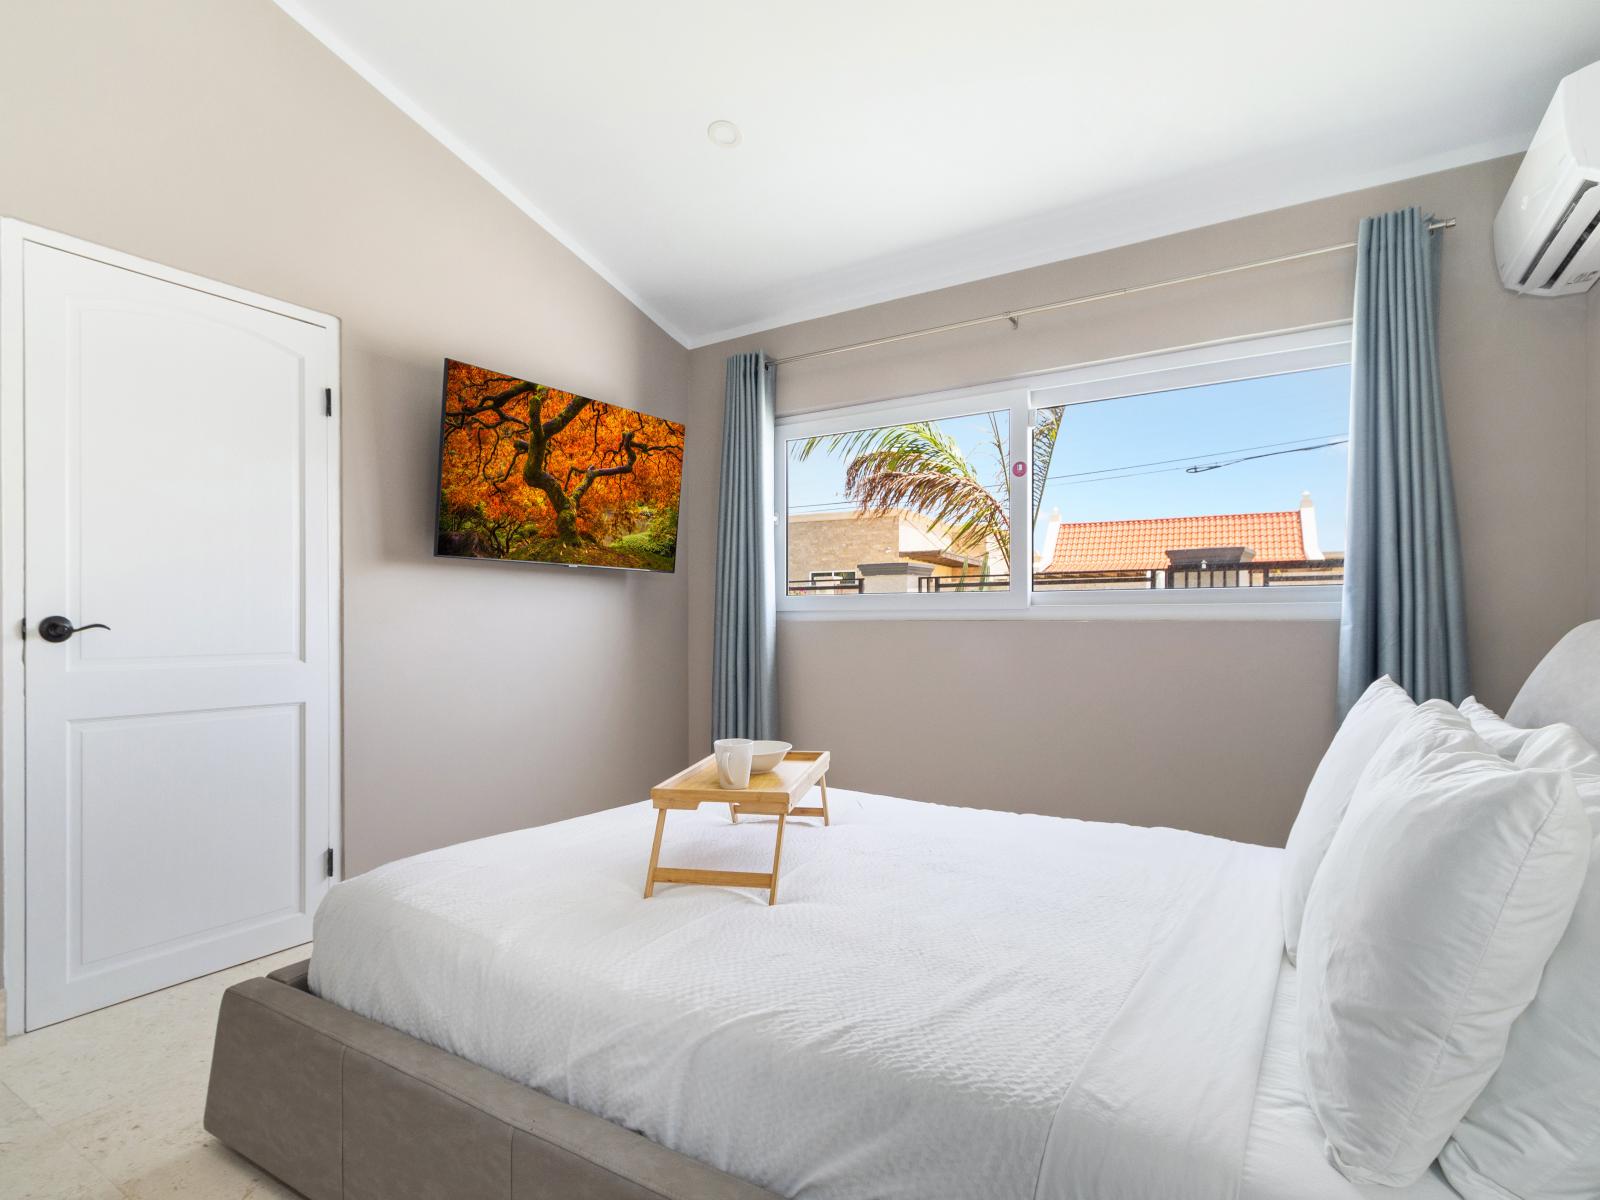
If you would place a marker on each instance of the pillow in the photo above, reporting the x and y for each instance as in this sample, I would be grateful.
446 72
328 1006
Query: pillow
1535 1131
1504 738
1444 893
1373 717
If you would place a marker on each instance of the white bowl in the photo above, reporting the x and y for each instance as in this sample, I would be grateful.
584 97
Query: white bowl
765 756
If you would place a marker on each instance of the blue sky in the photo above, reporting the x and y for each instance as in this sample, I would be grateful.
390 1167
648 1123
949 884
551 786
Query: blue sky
1111 456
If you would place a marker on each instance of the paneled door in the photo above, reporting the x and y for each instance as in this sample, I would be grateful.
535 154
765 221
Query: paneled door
179 636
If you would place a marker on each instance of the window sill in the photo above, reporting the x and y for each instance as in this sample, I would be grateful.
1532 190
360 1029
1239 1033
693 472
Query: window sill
1127 606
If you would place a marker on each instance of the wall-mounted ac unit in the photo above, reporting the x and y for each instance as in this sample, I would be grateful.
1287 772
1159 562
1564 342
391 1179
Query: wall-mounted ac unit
1545 241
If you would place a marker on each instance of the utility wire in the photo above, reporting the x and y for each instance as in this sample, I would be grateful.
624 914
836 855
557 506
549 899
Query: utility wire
1198 468
1189 458
1159 466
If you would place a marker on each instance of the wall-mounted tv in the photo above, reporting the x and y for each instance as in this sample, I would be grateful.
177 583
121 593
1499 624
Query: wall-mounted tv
530 473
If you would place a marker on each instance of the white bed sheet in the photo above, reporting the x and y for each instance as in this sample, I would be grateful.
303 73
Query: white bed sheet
944 1003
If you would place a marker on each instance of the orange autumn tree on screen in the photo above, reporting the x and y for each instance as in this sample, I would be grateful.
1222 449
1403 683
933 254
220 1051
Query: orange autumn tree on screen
531 472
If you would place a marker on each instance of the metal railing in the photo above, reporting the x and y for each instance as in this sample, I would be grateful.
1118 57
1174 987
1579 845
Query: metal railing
1299 573
829 587
963 583
1058 580
1230 575
1041 580
1187 577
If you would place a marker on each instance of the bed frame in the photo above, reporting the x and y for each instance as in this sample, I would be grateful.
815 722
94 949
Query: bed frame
343 1108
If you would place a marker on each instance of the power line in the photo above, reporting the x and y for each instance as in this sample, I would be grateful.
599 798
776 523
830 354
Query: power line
1197 468
1187 458
1158 466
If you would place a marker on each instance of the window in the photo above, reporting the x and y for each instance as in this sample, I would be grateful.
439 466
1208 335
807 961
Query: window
1172 483
900 507
1235 484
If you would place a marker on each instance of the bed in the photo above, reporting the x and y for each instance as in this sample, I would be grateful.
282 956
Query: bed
946 1002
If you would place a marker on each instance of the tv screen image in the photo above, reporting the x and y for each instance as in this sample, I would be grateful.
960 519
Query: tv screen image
530 473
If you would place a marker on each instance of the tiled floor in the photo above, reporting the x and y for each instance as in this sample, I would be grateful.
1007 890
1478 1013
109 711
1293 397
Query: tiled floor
107 1106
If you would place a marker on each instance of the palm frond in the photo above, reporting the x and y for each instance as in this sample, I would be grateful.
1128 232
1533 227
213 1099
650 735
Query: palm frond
919 468
1047 424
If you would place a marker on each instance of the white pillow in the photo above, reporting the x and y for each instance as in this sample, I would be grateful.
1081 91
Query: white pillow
1504 738
1444 893
1534 1133
1373 717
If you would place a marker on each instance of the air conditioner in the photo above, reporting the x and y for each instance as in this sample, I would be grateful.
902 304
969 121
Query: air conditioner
1544 233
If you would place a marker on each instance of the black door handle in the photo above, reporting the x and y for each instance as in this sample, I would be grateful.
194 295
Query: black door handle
59 629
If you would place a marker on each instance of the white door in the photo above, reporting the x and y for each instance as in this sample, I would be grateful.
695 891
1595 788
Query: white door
180 488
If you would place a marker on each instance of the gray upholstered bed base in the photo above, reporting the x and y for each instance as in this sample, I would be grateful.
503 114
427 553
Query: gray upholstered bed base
342 1108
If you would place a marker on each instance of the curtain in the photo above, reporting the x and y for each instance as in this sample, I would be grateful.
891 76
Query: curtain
743 693
1402 606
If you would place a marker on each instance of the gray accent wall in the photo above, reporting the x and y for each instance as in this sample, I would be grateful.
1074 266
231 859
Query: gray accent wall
1214 726
223 139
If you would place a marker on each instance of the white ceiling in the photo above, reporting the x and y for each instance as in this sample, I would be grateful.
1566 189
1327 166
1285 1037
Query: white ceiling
894 146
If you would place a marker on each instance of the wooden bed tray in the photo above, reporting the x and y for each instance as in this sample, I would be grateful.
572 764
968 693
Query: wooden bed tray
770 793
340 1107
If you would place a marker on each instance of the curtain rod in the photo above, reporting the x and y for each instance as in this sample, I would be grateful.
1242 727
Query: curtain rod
1014 315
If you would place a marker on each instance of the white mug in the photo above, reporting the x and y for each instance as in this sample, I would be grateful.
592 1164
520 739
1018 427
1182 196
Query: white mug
733 761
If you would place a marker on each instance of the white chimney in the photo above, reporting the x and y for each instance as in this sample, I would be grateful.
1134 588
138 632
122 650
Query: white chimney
1308 528
1045 550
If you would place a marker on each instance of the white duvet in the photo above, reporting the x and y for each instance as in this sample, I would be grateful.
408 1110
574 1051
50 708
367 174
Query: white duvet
944 1002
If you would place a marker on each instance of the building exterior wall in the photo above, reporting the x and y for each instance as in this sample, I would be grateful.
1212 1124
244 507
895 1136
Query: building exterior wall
835 544
844 541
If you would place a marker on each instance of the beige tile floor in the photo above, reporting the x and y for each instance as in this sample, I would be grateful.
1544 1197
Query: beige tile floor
107 1106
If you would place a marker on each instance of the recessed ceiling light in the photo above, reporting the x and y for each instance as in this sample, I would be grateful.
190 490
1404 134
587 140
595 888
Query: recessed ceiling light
724 133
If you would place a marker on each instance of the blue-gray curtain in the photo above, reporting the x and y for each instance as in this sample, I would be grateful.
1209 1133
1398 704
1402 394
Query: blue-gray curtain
743 693
1402 612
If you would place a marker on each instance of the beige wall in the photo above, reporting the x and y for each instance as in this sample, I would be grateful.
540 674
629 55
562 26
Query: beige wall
1214 726
223 139
1591 334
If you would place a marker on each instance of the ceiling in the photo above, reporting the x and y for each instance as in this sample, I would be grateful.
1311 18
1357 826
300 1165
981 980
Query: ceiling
894 146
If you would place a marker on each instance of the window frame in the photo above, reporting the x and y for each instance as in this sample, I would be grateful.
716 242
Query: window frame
1228 361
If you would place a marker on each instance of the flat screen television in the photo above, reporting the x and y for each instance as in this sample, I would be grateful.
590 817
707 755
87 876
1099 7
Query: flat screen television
530 473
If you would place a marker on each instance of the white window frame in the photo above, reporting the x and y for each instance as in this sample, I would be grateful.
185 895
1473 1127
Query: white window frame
1218 362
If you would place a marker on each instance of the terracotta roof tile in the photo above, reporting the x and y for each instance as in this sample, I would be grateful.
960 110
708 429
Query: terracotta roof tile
1143 545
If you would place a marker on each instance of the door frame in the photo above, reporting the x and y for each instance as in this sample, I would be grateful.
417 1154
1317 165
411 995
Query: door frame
14 236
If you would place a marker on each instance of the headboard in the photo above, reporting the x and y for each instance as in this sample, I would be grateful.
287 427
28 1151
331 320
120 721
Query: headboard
1565 686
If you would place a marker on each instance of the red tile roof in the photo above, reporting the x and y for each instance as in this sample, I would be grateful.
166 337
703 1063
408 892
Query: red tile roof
1143 545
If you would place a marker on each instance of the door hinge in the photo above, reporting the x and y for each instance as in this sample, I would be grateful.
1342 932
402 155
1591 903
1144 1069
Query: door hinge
327 863
327 402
